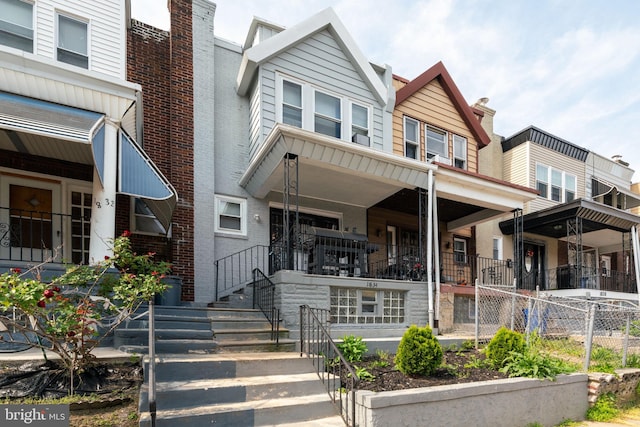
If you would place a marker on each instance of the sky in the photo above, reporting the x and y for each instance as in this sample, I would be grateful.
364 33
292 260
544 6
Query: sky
568 67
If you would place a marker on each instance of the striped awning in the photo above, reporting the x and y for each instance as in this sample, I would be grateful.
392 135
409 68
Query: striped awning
601 187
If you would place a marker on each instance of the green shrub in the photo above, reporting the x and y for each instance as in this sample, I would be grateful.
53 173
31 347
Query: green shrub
419 352
533 364
352 348
502 344
604 409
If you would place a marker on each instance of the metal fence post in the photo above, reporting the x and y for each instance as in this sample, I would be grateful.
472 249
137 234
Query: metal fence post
625 345
588 342
477 308
152 362
513 304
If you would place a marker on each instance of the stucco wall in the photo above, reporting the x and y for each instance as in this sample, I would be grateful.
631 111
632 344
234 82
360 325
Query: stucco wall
498 403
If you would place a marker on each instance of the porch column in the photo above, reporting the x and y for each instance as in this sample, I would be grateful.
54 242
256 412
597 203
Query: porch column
103 208
635 244
430 246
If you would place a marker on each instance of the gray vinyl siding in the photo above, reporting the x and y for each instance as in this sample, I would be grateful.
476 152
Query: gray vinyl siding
319 61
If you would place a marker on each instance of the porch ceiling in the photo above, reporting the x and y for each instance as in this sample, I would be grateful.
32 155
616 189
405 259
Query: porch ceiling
330 169
45 146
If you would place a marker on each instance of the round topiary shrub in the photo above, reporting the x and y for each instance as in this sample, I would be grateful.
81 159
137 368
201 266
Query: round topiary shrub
504 342
419 352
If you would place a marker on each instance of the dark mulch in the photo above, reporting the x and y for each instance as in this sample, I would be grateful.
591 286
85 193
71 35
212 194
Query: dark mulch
453 371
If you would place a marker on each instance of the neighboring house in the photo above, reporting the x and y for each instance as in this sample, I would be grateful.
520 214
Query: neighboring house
576 238
73 174
300 169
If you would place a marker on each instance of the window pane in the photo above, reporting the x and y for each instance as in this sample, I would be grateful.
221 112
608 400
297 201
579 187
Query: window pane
542 188
411 151
556 178
16 24
542 173
327 127
360 116
570 182
436 141
328 105
230 223
555 193
292 116
411 130
229 208
72 35
292 94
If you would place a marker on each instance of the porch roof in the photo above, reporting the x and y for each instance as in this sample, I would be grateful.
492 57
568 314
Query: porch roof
351 174
596 218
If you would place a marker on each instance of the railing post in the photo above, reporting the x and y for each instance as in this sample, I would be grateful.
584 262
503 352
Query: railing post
152 362
625 345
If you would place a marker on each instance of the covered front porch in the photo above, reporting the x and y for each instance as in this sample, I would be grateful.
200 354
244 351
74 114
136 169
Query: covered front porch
582 248
68 151
414 229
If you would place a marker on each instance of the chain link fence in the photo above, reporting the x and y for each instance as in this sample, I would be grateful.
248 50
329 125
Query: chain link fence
588 331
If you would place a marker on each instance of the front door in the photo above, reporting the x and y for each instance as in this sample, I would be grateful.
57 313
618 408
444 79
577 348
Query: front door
30 220
533 268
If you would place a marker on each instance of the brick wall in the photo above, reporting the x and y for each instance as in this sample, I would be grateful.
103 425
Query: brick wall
161 62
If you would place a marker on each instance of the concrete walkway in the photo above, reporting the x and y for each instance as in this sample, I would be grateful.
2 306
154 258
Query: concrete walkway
36 354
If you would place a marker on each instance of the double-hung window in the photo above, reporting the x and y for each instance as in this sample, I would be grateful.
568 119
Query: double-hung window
73 41
16 24
328 115
542 180
359 124
291 103
231 215
459 152
556 185
411 138
460 250
436 142
569 188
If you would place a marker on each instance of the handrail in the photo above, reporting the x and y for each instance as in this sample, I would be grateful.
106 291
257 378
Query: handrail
236 270
336 373
264 291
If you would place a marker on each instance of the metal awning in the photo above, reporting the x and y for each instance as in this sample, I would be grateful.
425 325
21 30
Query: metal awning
76 135
595 216
138 176
601 187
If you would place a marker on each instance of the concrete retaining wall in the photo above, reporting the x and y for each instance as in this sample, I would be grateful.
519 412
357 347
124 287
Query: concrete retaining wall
508 402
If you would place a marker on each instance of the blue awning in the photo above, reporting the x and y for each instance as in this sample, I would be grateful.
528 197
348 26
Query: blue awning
138 176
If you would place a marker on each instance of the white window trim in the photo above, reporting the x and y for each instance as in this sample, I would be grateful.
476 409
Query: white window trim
405 140
376 303
74 17
500 249
466 250
350 118
132 221
243 215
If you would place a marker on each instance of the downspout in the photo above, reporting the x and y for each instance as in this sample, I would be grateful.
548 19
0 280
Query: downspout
430 246
436 253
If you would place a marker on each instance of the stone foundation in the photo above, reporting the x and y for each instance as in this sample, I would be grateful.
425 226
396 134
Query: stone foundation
623 384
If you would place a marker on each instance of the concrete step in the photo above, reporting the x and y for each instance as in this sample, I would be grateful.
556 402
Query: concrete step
266 412
170 322
225 335
234 313
253 345
187 367
240 324
124 337
194 393
181 346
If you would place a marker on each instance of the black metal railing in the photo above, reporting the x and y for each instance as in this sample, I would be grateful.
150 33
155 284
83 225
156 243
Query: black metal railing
602 279
336 373
264 298
34 236
235 271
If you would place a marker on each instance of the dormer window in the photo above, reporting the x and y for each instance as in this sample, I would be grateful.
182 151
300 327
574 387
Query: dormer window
16 24
72 41
328 115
